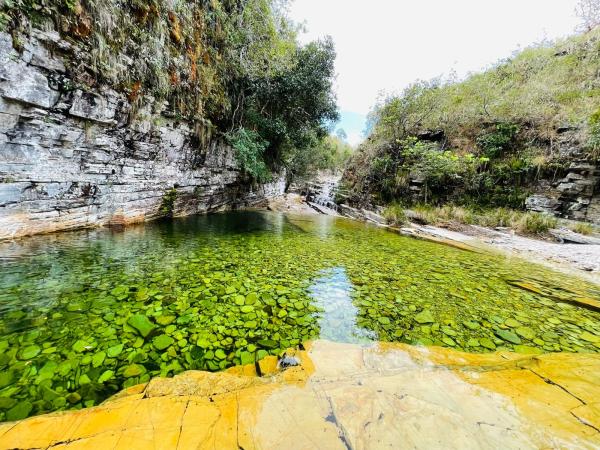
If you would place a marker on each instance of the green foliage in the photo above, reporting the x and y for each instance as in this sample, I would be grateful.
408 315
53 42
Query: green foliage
440 171
594 138
291 110
511 115
582 228
534 223
249 149
394 215
494 143
224 64
522 222
328 154
167 205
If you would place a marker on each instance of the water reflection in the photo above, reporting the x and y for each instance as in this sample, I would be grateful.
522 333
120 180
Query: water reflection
331 291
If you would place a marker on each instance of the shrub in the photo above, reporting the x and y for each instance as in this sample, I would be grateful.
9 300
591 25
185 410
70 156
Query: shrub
582 228
535 223
167 206
249 148
527 223
495 143
394 215
441 171
593 143
425 215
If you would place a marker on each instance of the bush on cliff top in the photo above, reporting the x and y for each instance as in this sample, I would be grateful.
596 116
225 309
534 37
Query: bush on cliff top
224 64
511 115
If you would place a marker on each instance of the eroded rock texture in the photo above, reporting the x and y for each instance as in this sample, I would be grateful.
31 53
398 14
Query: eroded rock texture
71 158
575 196
345 396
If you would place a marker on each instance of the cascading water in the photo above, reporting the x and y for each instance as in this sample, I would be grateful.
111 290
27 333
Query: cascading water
322 192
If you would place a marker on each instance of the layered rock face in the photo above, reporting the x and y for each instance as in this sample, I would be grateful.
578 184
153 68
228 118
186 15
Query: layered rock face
73 158
577 196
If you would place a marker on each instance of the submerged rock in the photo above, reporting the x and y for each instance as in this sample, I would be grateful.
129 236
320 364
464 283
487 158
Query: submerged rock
142 324
372 397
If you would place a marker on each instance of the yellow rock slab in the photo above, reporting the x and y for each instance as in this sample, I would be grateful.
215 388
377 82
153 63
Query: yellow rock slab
345 396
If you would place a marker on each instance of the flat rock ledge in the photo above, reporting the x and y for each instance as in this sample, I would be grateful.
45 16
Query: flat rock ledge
345 396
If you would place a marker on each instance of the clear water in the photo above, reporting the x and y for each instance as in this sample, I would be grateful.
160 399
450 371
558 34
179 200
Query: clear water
84 314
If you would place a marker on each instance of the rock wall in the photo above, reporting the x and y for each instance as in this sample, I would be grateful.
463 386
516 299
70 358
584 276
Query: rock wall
576 196
72 157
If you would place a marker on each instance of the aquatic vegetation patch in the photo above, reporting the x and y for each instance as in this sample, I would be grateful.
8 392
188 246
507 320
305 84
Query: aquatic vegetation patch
84 315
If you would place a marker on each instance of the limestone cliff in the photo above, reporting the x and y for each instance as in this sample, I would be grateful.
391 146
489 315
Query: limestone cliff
73 156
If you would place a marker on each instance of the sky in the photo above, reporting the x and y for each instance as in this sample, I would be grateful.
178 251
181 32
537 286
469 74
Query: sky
384 45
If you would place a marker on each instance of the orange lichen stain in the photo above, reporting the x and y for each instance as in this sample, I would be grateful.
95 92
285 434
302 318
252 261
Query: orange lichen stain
555 390
134 91
175 29
348 385
174 78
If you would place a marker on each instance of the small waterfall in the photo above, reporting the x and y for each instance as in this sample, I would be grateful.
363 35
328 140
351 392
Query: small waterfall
322 191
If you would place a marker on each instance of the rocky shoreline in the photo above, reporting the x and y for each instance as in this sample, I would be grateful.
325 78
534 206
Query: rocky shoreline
73 158
345 396
581 259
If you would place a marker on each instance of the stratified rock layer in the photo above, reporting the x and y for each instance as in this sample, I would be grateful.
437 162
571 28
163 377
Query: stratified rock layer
73 158
346 396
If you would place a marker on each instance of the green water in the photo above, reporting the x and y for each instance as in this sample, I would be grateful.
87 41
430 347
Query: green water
83 315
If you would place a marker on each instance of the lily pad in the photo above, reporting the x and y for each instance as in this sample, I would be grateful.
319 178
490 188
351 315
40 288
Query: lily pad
471 325
106 375
525 332
473 342
98 359
487 343
133 370
79 346
114 351
268 343
20 411
73 397
589 337
165 320
6 378
512 323
528 350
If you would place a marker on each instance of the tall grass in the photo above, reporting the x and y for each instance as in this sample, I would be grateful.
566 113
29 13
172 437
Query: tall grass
582 228
394 215
522 222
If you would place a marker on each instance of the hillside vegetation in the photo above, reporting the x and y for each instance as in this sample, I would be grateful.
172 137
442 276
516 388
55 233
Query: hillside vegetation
486 140
233 68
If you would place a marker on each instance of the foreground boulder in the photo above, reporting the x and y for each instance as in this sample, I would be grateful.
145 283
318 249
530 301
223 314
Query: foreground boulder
345 396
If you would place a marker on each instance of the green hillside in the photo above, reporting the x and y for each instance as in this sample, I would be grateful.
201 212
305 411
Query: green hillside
489 139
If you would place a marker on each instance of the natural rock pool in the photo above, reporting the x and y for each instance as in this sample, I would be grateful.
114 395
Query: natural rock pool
83 315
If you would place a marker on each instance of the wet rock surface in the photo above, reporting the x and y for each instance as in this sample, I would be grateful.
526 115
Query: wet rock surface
346 396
